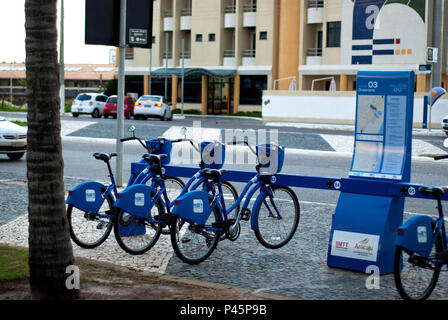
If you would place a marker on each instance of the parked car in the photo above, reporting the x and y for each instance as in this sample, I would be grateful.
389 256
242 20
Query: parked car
110 109
89 103
445 125
153 107
12 139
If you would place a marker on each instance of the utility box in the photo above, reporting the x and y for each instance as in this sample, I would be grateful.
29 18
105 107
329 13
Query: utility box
103 23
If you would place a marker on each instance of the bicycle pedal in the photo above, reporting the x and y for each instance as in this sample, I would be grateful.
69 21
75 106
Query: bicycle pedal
164 217
100 225
223 224
245 214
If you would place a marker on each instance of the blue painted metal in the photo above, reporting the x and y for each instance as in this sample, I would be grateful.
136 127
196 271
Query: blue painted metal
193 206
87 196
425 112
416 235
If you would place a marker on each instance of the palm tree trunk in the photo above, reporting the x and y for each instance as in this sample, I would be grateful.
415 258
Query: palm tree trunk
50 250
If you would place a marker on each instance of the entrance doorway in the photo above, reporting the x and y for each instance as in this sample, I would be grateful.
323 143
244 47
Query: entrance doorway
220 95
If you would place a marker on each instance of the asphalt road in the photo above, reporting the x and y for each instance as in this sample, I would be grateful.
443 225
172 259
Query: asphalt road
296 270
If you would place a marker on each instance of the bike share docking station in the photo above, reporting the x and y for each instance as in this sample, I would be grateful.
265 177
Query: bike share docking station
371 203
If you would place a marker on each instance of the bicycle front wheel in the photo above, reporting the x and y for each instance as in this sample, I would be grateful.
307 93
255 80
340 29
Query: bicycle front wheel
416 276
136 235
278 218
193 243
88 230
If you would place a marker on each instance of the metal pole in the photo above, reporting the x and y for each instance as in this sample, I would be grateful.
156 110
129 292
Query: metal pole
150 72
120 104
61 61
183 77
166 65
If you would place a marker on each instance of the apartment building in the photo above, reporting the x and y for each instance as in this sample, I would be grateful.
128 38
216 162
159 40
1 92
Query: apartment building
227 48
340 37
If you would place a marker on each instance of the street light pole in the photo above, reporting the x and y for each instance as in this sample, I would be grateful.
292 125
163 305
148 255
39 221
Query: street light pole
121 84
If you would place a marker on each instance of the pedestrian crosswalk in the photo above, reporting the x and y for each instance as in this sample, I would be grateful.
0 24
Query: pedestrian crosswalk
340 142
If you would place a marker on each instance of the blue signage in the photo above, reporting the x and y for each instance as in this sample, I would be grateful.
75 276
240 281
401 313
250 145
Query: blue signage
383 137
364 224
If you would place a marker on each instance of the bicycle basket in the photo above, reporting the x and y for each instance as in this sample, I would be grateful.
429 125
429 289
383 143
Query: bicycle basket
270 158
213 154
160 146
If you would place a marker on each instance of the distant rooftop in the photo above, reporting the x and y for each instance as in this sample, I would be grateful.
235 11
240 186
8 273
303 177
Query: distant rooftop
72 71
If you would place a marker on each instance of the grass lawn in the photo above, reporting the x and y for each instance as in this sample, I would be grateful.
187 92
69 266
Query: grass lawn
13 263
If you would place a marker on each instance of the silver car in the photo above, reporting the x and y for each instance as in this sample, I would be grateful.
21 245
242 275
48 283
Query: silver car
152 107
12 139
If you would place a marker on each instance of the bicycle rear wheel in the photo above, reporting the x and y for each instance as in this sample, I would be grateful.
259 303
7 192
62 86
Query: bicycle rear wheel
135 235
88 230
193 243
415 276
275 229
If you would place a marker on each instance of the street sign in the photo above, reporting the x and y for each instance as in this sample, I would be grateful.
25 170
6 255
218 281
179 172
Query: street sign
433 55
103 17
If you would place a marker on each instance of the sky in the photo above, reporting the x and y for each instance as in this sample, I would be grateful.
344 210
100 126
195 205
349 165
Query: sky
12 34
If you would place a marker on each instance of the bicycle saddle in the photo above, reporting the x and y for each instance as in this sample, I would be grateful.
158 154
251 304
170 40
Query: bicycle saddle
213 173
151 158
435 191
104 156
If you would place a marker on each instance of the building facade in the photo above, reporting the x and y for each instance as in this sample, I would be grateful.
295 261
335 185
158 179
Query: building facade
227 47
340 37
78 78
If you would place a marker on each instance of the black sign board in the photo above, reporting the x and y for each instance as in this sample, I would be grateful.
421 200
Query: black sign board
103 23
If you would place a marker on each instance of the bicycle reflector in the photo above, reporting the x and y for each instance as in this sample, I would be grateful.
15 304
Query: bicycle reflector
176 202
70 192
400 232
118 195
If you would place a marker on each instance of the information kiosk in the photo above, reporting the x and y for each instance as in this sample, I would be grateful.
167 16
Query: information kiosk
364 224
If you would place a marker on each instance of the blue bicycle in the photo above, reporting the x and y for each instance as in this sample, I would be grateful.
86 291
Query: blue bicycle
200 219
419 240
143 211
90 205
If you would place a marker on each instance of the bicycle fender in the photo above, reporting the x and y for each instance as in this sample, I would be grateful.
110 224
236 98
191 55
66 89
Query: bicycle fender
194 206
255 211
136 200
87 196
416 235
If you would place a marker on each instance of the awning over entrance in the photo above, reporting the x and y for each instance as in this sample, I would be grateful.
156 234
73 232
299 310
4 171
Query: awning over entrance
216 73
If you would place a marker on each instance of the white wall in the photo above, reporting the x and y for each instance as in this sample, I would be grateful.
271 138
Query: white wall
334 108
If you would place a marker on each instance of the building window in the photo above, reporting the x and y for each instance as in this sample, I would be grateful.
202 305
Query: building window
251 89
153 39
263 35
333 34
211 37
199 38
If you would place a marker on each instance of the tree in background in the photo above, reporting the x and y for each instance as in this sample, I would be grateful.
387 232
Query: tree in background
50 249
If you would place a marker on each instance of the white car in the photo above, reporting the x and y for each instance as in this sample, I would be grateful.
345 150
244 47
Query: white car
445 125
12 139
152 107
89 103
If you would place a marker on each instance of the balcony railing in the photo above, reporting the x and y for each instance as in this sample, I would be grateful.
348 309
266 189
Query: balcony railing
186 55
230 9
185 12
168 55
315 3
249 53
168 13
252 7
229 53
314 52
